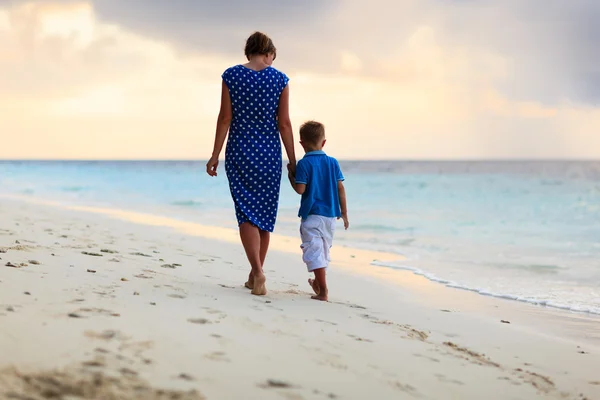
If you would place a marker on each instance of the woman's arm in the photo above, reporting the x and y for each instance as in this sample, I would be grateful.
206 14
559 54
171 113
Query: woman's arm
223 122
285 126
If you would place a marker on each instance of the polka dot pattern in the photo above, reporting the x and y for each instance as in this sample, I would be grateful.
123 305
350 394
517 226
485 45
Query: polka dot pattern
253 154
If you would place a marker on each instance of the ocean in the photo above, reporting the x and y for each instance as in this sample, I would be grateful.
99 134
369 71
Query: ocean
520 230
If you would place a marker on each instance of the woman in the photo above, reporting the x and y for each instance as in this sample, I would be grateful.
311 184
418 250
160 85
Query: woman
255 111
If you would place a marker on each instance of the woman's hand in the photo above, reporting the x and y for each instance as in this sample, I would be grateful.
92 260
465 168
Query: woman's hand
211 166
291 167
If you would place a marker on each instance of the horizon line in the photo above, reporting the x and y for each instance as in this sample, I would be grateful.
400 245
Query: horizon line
284 160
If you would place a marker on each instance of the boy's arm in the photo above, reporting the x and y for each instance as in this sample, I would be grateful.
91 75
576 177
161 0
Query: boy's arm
298 187
299 175
343 206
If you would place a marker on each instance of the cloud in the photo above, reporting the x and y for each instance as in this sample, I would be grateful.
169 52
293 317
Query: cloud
405 80
549 45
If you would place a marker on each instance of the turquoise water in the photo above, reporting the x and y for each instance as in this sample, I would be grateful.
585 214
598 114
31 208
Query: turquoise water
527 231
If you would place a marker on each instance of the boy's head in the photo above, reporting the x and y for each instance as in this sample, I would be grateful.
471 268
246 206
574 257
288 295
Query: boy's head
312 135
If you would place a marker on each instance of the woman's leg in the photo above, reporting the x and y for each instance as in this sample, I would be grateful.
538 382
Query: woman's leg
265 237
251 240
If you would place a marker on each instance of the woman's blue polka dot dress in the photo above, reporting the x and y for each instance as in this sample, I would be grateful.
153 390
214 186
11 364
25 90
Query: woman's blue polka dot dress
253 154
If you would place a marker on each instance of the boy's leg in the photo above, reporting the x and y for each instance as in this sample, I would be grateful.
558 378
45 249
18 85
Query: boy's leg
314 232
320 280
308 230
314 285
319 284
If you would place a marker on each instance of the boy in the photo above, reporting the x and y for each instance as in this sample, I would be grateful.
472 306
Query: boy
319 180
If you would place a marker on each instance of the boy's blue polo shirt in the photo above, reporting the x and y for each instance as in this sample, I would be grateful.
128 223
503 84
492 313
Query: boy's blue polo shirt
320 173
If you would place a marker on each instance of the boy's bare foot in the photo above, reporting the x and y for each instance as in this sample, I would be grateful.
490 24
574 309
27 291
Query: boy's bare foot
259 288
320 297
314 285
319 285
250 283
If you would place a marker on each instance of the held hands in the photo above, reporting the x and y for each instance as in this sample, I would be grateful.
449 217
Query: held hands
291 169
291 173
211 166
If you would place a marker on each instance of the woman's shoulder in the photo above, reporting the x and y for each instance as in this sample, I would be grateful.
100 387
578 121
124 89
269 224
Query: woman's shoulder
233 68
280 75
232 73
277 71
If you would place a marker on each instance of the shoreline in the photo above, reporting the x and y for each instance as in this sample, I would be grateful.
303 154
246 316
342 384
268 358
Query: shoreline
351 259
167 306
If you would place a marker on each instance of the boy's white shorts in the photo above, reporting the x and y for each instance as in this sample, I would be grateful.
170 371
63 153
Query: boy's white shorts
316 233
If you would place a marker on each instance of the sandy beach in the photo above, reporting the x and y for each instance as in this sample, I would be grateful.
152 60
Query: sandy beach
108 304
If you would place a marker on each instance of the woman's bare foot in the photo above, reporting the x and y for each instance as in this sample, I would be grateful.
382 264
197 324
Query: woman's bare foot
259 288
314 285
250 283
320 297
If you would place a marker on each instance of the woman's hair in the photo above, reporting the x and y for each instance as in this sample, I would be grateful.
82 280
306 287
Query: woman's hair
259 43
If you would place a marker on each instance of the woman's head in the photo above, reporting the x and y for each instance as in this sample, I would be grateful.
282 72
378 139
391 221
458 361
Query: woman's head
259 44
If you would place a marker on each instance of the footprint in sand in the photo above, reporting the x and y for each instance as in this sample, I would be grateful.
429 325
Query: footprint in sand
217 356
407 329
225 286
212 311
143 276
92 312
360 339
109 251
333 361
137 253
276 384
98 362
105 335
405 388
326 322
185 377
426 357
92 384
200 321
442 378
88 253
470 355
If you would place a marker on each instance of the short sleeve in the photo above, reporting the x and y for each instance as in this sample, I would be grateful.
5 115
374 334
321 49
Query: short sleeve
283 79
227 75
301 173
338 172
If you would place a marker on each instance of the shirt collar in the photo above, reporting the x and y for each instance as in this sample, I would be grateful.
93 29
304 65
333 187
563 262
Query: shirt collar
315 153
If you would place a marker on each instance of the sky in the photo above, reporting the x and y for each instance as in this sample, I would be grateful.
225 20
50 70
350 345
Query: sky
394 79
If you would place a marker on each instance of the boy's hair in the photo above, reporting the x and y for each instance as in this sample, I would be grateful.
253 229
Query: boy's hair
259 43
312 132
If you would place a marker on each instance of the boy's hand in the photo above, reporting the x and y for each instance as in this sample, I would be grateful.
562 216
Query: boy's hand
291 169
291 177
346 222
